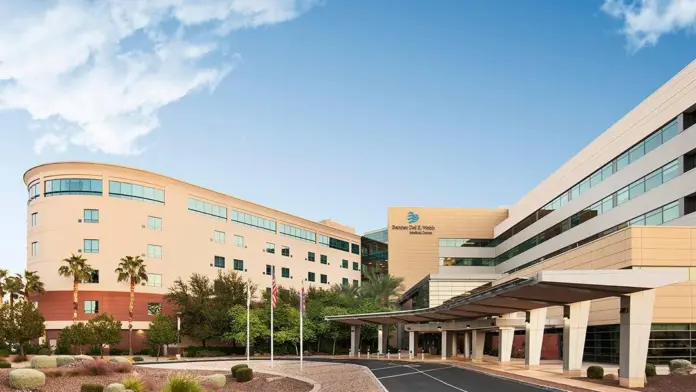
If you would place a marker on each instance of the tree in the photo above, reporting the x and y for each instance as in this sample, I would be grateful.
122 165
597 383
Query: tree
162 331
32 284
238 326
77 334
76 268
104 330
132 270
27 324
14 287
383 287
3 275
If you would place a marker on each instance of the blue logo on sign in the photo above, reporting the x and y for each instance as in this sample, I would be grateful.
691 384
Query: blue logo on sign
412 217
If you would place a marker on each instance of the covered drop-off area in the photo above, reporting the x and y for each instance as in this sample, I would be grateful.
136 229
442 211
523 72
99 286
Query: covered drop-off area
522 304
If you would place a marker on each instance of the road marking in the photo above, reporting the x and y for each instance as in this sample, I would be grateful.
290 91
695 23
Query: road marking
388 367
416 372
437 379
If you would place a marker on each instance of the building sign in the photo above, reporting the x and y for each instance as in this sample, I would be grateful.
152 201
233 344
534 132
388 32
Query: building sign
413 228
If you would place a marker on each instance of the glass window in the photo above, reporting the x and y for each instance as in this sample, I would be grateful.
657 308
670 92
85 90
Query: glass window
34 219
654 218
607 171
669 131
653 142
335 243
344 282
670 211
219 237
270 247
73 186
91 216
297 233
607 204
323 240
622 161
636 189
254 221
154 308
584 186
323 259
269 269
575 192
670 170
355 249
238 265
285 251
125 190
285 272
154 280
90 246
356 266
154 251
653 180
310 276
636 152
622 196
93 277
356 283
205 208
324 279
34 248
219 262
154 223
639 221
596 178
239 241
310 256
91 307
344 264
34 191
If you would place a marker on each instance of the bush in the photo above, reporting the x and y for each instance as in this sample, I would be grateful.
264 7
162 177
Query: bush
115 387
595 372
27 379
31 349
91 388
82 358
214 381
43 361
182 383
679 364
134 383
244 375
193 351
172 358
64 360
237 367
650 370
118 360
138 359
4 353
493 352
44 351
116 351
94 368
54 373
5 365
20 358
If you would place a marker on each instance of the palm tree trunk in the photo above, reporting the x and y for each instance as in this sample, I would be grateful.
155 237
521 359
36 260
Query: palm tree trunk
75 288
334 347
11 302
130 318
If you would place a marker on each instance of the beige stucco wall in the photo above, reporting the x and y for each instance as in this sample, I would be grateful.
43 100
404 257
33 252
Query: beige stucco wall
186 238
413 256
635 247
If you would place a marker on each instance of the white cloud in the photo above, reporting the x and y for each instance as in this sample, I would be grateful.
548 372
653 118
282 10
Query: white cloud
103 69
646 20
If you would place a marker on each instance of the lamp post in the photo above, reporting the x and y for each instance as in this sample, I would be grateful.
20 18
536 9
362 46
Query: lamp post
178 341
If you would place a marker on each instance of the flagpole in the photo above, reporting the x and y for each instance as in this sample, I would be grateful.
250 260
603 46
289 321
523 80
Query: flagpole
273 277
248 350
302 309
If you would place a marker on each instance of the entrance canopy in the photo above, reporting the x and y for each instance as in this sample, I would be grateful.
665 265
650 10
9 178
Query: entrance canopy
545 289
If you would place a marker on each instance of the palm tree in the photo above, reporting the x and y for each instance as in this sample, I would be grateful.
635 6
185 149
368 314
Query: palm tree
131 269
32 284
383 287
3 275
76 268
14 288
346 290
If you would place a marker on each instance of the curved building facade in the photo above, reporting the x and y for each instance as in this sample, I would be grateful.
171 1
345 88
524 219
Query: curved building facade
105 212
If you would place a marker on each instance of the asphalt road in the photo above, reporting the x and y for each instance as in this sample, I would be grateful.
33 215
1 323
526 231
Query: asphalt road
402 376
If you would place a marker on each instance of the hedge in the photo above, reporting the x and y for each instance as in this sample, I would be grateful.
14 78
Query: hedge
237 367
92 388
27 379
244 375
595 372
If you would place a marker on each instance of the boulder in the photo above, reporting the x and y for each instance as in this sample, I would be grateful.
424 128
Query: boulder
116 387
43 361
27 379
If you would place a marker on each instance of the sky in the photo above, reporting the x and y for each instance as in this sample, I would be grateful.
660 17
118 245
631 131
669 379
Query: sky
325 108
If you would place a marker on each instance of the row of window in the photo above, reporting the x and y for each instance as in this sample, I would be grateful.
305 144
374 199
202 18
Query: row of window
629 156
34 191
137 192
153 279
311 276
205 208
463 242
251 220
92 307
296 232
72 186
237 265
467 261
635 189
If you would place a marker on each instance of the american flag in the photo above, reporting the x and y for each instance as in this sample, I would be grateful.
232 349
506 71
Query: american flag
274 288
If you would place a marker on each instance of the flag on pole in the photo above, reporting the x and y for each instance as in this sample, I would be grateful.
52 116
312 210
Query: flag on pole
274 299
302 310
248 348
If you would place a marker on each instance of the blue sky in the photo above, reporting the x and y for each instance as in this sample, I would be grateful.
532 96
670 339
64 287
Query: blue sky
325 109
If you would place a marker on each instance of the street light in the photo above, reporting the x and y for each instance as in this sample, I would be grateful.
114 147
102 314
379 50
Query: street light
178 341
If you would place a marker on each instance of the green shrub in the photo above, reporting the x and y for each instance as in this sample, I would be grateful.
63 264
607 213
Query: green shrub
134 383
193 351
64 360
244 375
4 353
595 372
116 351
44 351
138 359
182 382
5 365
43 361
31 349
650 370
54 373
116 387
119 360
679 364
91 388
27 379
214 381
80 358
237 367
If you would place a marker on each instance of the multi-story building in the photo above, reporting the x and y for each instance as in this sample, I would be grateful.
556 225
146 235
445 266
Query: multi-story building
105 212
375 251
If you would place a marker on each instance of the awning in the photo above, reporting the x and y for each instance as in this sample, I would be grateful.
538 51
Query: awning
545 289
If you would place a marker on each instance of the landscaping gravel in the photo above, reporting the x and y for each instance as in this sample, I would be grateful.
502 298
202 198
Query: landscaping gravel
659 383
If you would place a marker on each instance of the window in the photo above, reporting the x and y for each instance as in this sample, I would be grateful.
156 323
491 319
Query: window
219 262
297 233
323 259
356 266
636 152
125 190
91 216
310 277
238 265
154 280
339 244
154 251
91 307
285 272
254 221
285 251
653 180
356 283
355 249
622 196
154 308
670 171
607 171
269 269
93 277
344 264
463 242
219 237
91 246
239 241
323 240
653 142
636 189
154 223
270 247
205 208
310 256
324 279
34 219
622 161
654 218
73 186
344 282
34 191
670 211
